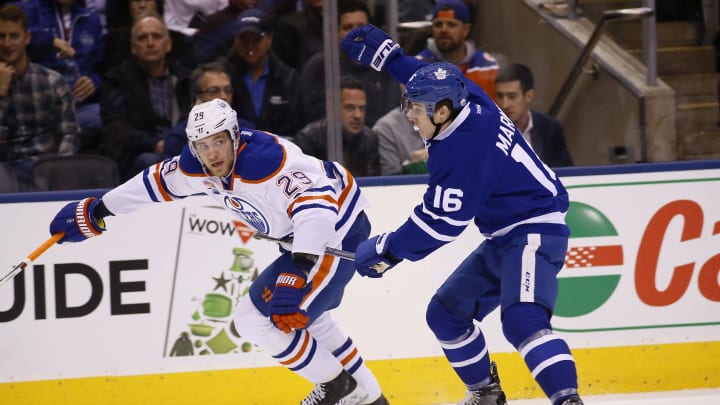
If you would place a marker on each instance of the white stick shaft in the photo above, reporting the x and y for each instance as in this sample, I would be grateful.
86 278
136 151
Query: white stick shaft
15 270
31 257
287 245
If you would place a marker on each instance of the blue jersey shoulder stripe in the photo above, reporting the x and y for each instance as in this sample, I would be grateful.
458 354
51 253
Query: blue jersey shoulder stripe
189 164
148 185
260 158
349 209
312 206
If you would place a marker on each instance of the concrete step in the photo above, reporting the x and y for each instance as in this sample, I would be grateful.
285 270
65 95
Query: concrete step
697 117
629 34
699 145
682 59
693 84
593 9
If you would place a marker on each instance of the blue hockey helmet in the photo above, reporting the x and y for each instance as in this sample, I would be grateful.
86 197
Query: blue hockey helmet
434 83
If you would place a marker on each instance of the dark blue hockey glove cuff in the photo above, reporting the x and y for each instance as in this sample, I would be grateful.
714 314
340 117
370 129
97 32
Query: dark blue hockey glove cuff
373 258
77 220
370 46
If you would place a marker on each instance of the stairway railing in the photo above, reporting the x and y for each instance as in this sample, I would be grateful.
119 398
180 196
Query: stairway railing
608 16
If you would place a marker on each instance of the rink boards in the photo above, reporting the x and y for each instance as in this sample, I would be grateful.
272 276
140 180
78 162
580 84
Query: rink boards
96 322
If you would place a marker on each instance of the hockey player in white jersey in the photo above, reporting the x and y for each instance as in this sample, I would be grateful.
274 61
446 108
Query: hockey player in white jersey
268 183
481 171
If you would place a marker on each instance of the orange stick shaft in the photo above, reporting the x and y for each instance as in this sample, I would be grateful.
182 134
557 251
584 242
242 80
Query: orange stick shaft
45 246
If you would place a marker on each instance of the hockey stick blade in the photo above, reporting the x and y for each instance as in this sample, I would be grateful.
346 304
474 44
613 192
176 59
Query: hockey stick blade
25 263
287 245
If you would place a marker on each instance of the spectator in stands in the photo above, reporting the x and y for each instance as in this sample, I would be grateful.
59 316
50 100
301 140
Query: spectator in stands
207 82
185 16
401 149
514 88
413 40
68 38
359 143
120 21
382 92
142 98
299 35
214 38
99 7
37 117
449 43
266 89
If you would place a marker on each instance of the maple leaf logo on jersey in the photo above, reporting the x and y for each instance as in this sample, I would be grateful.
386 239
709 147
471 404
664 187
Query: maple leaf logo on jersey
440 74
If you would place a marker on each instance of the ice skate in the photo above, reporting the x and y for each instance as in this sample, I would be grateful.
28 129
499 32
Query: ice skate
573 401
380 401
357 397
331 392
492 394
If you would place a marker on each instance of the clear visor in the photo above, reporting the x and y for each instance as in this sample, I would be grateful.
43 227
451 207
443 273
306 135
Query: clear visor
405 103
413 109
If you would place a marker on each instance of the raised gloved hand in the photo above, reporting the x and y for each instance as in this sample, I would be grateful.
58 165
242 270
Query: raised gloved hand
76 219
372 257
370 46
285 311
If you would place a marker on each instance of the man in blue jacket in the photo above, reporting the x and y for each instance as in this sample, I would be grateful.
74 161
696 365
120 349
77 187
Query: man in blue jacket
68 38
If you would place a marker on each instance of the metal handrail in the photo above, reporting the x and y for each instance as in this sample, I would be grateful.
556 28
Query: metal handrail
626 14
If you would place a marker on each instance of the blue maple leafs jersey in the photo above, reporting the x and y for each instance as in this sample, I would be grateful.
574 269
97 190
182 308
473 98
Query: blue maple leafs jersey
481 170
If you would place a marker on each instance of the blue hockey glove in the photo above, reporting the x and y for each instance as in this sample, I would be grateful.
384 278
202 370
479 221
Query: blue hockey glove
76 219
372 257
285 312
370 46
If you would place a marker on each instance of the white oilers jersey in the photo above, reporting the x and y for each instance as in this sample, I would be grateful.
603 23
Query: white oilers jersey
274 188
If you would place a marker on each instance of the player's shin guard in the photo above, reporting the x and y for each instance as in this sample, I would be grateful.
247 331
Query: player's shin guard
329 335
298 351
546 354
463 344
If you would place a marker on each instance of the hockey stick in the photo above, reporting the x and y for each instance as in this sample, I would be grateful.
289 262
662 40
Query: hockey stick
25 263
287 245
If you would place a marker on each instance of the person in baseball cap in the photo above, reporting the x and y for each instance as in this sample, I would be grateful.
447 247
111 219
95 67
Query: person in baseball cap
265 87
253 20
456 9
450 42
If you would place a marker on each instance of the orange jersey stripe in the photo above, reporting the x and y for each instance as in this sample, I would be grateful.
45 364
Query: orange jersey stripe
322 273
160 187
349 357
298 355
347 189
308 198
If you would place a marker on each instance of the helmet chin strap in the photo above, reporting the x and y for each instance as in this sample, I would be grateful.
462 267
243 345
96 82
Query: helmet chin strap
438 126
450 117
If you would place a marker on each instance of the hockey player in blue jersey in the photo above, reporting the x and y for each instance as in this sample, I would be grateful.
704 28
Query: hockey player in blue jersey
268 183
481 171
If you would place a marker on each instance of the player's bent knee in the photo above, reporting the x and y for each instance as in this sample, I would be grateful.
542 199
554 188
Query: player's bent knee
249 322
444 324
522 320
